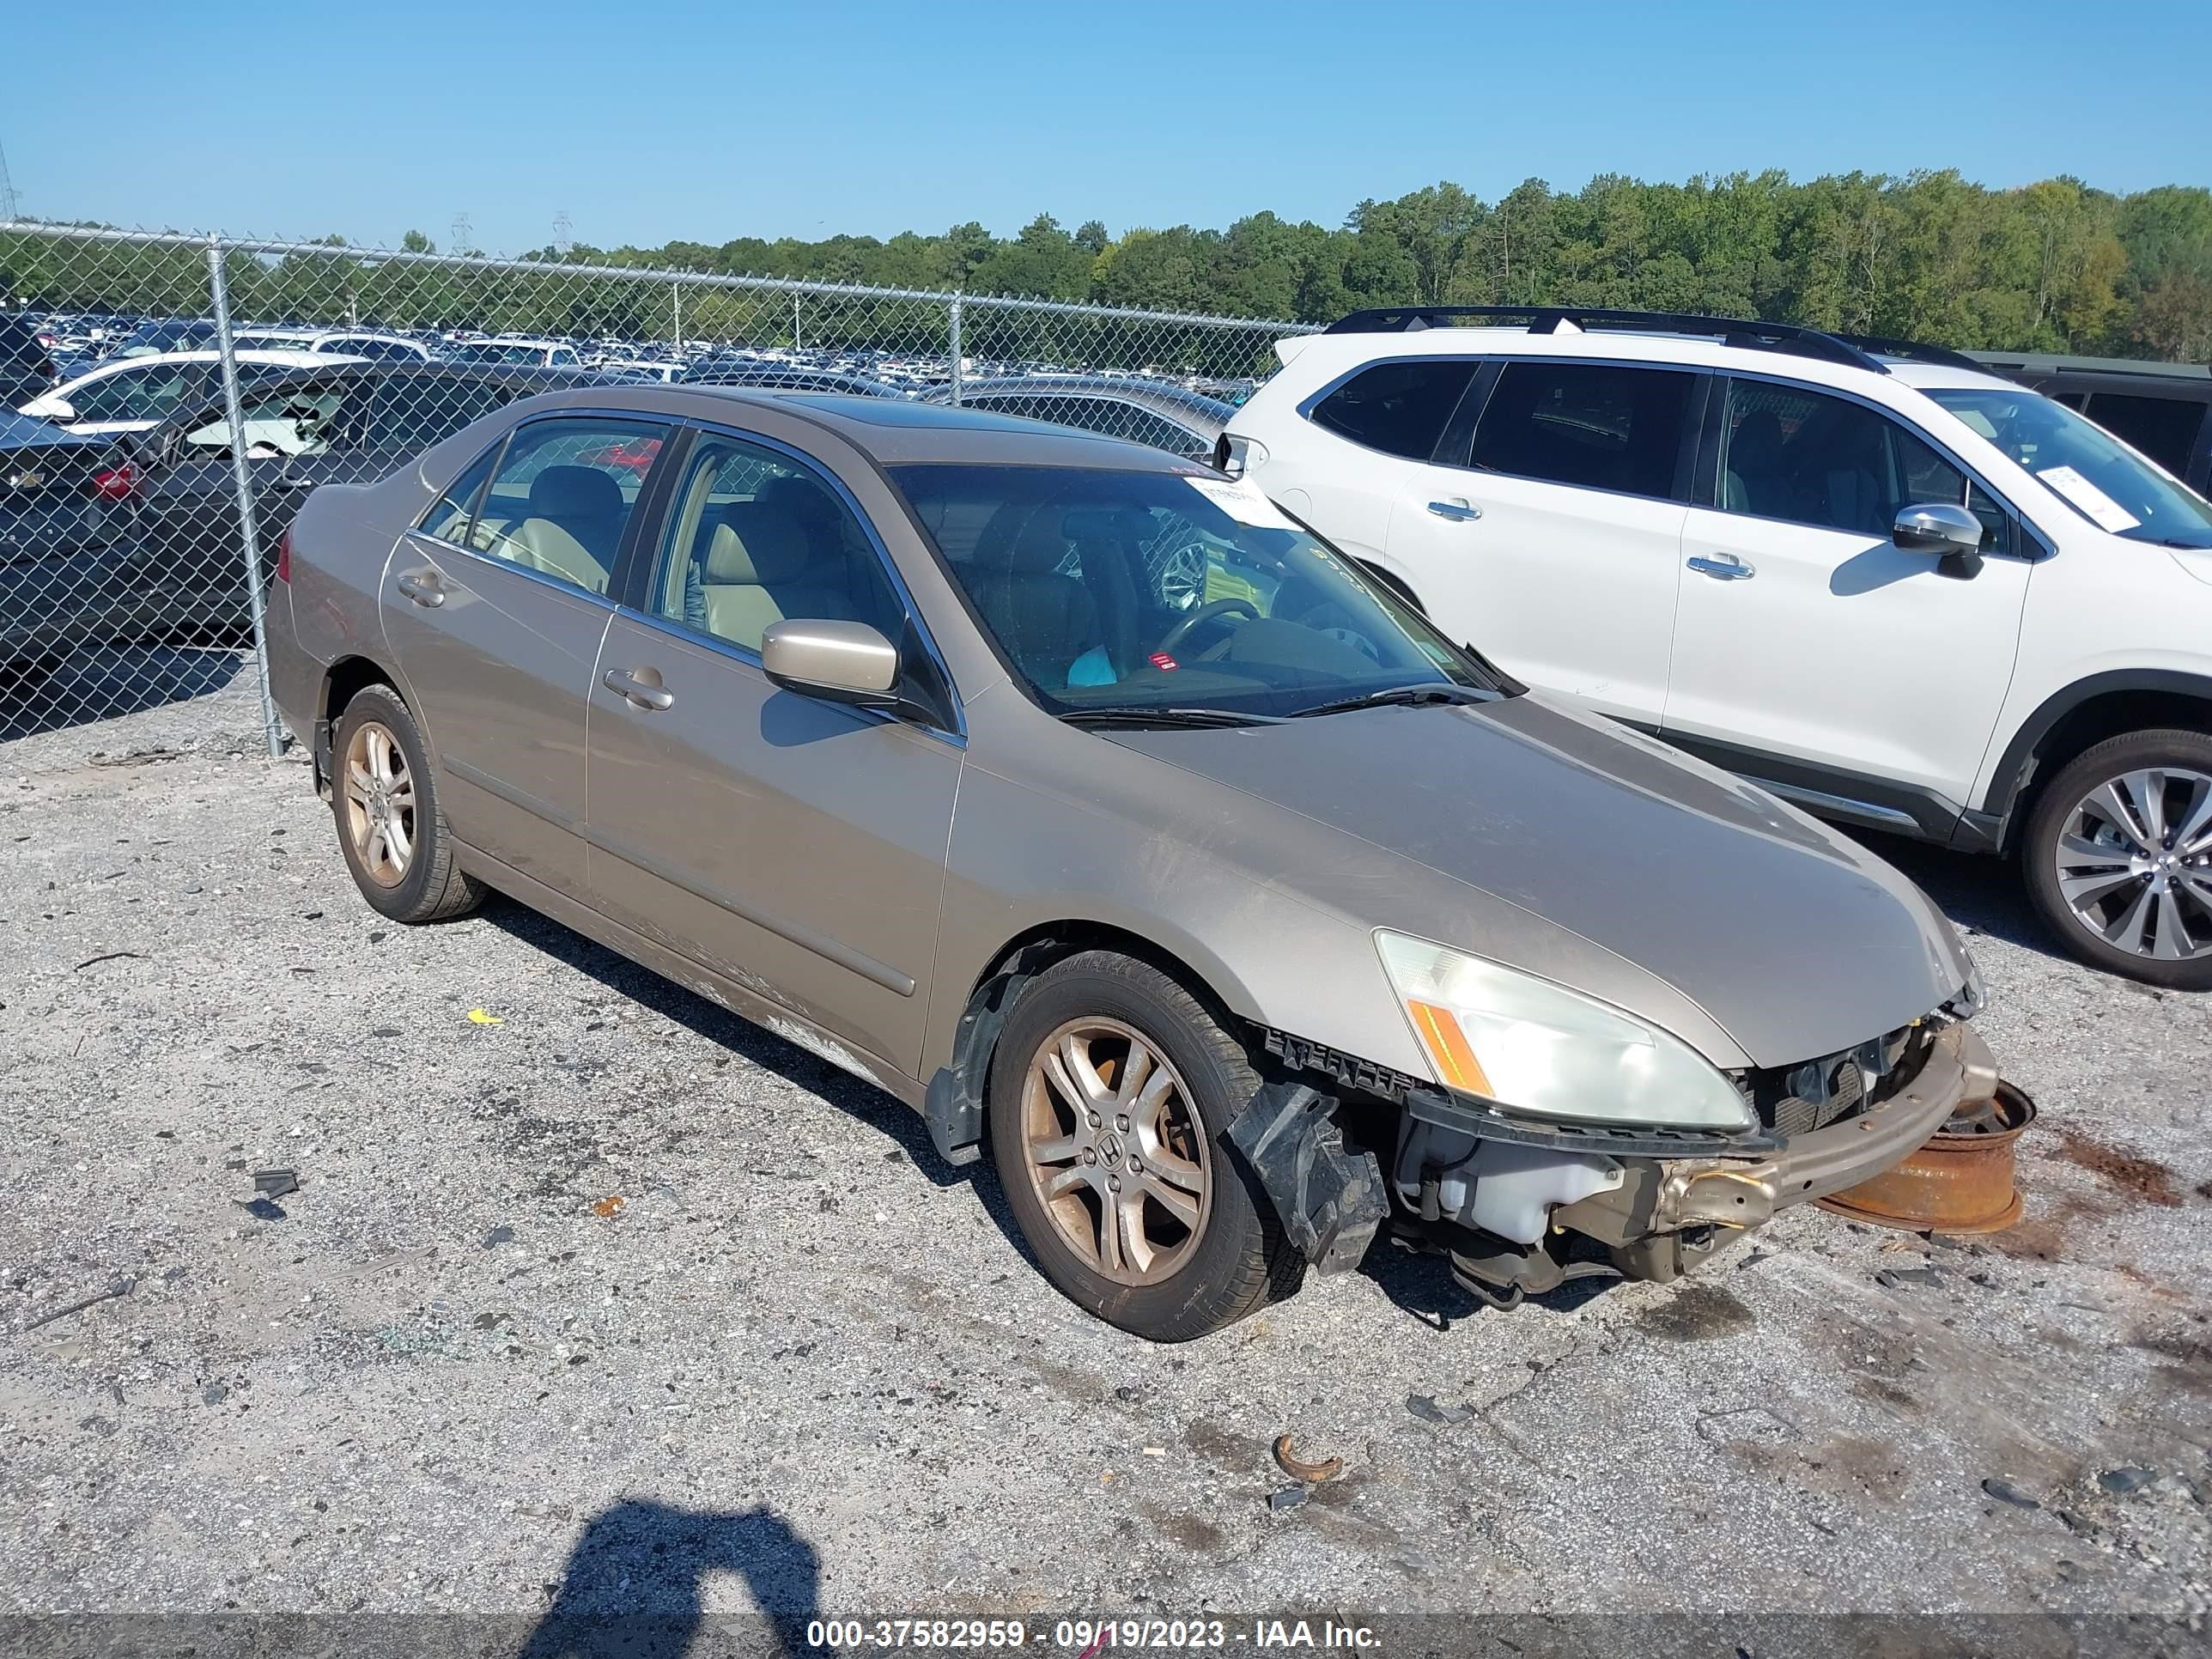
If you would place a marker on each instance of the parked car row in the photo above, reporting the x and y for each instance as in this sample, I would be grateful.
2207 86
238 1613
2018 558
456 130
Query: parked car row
1075 795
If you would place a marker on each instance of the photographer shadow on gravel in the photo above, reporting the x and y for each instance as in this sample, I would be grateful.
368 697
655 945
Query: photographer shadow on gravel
634 1583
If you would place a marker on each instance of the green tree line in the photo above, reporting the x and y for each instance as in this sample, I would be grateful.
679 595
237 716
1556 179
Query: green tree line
2056 265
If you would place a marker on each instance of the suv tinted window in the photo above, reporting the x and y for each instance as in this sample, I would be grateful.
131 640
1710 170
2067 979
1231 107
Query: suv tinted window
1790 453
1591 424
2164 428
1398 407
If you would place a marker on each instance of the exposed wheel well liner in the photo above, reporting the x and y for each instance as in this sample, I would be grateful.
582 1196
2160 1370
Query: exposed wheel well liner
347 677
2085 713
954 1106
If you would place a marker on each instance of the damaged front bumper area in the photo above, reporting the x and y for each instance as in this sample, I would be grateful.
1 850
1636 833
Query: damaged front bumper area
1508 1198
1667 1211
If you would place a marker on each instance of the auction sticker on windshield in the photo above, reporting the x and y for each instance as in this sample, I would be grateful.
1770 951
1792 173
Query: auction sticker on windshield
1240 498
2099 508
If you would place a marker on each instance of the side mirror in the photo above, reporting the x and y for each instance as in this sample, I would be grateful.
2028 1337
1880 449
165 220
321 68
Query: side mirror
60 410
841 662
1940 528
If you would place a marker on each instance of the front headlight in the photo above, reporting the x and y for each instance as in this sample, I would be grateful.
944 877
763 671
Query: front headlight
1538 1047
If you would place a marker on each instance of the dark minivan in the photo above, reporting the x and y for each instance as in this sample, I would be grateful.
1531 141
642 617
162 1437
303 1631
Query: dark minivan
2163 410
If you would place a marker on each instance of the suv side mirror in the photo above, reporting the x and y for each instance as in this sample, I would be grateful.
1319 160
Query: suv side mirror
1940 528
1946 532
841 662
60 410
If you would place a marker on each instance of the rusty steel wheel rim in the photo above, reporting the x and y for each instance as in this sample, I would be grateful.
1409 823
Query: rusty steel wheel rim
1116 1153
379 802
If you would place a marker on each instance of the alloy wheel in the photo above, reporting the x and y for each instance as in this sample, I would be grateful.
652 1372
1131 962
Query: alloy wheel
2135 863
379 796
1115 1152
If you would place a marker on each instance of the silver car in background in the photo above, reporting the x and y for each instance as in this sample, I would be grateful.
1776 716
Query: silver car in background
1238 913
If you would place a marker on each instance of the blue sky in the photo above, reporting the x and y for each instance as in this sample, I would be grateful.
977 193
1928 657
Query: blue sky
646 122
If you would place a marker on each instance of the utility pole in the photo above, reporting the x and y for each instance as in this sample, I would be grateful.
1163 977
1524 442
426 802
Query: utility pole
7 189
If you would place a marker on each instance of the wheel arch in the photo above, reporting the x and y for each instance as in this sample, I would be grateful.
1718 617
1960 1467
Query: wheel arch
953 1106
2083 714
346 678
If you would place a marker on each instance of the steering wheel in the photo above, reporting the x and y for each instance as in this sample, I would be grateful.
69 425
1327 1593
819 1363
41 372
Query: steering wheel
1206 613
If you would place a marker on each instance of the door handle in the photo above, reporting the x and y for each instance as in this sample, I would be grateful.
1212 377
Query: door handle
641 692
422 589
1458 512
1724 566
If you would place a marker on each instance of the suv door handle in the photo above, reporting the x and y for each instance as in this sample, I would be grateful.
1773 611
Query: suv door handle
641 692
1460 512
1724 566
422 589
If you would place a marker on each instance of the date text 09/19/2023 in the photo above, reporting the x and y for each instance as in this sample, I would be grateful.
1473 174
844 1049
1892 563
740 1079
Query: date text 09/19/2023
1087 1638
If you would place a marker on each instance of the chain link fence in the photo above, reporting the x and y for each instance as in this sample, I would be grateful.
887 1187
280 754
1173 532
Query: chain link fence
179 396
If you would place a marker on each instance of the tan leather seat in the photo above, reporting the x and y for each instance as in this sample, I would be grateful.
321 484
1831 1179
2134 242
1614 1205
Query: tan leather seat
573 527
757 572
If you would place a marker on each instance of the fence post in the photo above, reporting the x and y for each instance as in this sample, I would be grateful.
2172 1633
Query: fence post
676 292
956 345
242 474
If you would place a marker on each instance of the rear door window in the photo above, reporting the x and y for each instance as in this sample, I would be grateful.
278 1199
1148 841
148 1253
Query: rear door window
563 494
1398 407
1597 425
2164 428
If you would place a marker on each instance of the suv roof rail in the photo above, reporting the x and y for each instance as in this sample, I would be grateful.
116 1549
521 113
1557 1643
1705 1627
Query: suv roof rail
1913 350
1546 319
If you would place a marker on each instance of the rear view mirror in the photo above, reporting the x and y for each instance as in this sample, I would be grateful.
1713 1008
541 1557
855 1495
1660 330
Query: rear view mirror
842 661
60 410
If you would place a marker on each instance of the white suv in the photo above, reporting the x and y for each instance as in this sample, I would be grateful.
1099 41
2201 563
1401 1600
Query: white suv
1869 576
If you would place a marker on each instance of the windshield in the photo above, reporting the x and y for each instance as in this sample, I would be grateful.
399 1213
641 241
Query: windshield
2099 476
1111 590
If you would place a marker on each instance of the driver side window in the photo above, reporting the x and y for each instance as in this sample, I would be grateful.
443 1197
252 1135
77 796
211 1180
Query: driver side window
1808 459
754 537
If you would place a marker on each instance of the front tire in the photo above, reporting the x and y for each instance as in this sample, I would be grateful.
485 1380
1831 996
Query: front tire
385 801
1111 1093
2118 857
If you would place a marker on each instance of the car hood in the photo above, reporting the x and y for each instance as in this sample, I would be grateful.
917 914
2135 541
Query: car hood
1613 853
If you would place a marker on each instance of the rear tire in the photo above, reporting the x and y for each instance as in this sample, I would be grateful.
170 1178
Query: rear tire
1147 1217
2117 863
384 801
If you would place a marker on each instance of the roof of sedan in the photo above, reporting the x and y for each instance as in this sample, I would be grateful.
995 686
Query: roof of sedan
897 432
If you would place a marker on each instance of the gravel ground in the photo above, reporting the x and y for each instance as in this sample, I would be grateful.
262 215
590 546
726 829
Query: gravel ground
593 1297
